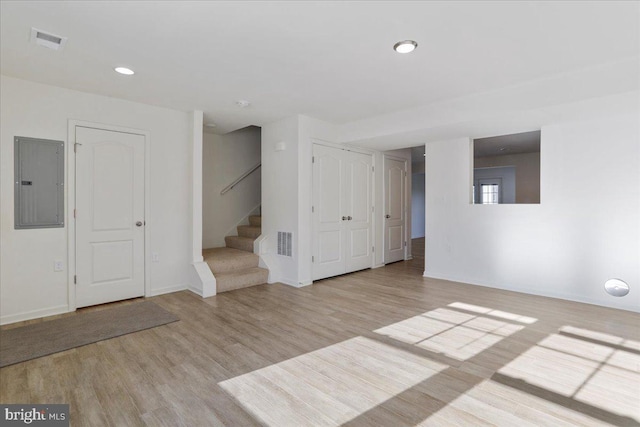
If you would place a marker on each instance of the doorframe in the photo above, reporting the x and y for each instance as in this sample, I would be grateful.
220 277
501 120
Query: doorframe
71 199
407 229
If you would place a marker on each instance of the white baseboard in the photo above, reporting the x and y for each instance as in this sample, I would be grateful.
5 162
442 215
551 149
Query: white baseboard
195 290
167 290
202 282
528 291
35 314
293 283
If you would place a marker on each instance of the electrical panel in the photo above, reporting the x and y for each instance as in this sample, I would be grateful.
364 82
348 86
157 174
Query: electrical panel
39 183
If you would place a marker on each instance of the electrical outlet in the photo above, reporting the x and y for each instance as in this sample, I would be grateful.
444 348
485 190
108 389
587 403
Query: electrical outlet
58 265
155 257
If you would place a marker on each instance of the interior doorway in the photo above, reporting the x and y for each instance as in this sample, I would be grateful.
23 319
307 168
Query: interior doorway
395 206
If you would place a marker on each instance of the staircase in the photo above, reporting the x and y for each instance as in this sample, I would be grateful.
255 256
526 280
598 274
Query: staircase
236 266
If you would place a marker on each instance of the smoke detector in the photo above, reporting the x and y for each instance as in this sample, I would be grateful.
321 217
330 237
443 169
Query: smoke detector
48 40
242 103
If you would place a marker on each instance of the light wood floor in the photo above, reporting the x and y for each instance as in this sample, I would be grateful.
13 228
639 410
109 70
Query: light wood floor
382 347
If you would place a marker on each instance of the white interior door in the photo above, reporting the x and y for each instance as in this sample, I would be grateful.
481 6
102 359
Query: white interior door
357 196
395 173
109 216
328 240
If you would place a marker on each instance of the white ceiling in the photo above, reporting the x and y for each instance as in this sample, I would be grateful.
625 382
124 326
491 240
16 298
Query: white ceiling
519 143
329 60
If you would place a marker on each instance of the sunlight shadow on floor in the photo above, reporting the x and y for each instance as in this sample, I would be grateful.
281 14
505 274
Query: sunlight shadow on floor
571 377
596 369
329 386
460 331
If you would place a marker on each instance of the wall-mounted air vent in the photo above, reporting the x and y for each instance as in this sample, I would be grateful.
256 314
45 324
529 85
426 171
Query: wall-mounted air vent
47 40
284 243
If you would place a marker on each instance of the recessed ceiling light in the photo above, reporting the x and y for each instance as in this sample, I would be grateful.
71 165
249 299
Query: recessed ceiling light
405 46
124 70
242 103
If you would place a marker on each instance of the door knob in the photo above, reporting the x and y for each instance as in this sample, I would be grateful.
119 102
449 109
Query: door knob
349 218
387 216
139 224
344 218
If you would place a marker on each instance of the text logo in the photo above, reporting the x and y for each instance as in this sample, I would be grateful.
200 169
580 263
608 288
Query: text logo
34 415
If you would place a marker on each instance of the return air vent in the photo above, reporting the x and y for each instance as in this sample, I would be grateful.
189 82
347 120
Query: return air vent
284 243
48 40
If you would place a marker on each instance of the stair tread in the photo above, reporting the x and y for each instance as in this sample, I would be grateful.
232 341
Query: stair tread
255 220
222 260
252 231
240 242
224 251
252 227
240 238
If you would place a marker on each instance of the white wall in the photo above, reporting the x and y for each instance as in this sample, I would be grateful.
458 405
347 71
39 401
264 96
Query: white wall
280 197
417 166
226 158
417 205
586 229
417 191
196 119
29 287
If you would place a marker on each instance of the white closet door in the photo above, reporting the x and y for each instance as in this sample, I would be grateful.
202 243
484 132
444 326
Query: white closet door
342 200
328 240
357 196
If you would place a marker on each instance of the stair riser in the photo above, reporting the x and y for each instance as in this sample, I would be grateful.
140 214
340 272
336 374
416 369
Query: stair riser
243 245
224 284
218 266
249 231
255 220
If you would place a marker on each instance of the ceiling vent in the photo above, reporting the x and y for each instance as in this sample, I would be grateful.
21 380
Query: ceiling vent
47 40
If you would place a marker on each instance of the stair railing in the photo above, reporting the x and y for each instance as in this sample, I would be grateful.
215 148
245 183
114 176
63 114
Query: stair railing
243 176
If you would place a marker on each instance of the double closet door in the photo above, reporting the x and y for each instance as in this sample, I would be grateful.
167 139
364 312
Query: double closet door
342 205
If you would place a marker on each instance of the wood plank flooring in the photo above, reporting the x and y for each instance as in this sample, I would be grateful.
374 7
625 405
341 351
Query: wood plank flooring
383 347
